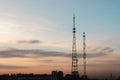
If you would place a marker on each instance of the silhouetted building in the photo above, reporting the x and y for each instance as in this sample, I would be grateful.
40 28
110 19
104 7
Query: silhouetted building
84 77
67 77
28 77
58 74
118 78
111 76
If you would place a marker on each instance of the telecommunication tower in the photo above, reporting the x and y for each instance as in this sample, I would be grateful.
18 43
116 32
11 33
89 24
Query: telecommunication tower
74 70
84 57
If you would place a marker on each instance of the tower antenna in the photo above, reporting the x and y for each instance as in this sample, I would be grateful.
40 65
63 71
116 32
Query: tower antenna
84 57
74 70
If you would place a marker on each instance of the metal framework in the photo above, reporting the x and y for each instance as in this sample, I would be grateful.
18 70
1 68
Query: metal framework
74 70
84 54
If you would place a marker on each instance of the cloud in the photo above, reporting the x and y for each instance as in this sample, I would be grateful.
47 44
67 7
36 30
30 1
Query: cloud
98 52
108 49
12 52
30 41
12 67
113 60
103 64
5 48
27 41
30 53
53 61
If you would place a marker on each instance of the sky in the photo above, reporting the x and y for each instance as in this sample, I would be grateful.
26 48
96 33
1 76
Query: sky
36 36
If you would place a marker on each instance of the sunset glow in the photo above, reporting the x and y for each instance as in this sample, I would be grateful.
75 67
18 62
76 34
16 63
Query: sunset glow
36 35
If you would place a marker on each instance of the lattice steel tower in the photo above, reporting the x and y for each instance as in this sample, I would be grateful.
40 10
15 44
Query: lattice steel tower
74 70
84 57
84 53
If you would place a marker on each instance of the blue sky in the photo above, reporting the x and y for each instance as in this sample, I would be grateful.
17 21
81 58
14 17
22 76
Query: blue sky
46 26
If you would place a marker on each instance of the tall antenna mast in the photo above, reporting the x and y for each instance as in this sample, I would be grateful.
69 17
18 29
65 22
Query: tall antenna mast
84 57
74 70
84 53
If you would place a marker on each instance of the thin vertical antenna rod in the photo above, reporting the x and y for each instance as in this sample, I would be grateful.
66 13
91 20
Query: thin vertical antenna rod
84 53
